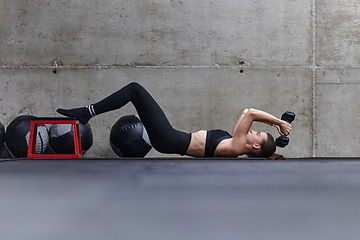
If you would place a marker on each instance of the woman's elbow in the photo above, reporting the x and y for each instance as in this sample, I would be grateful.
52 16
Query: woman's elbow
251 111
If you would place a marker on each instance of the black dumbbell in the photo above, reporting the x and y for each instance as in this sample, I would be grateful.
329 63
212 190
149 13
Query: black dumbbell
283 140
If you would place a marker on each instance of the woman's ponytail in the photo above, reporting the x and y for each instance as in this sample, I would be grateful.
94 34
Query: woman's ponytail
276 156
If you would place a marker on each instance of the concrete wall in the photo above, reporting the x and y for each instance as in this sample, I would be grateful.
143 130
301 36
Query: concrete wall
295 55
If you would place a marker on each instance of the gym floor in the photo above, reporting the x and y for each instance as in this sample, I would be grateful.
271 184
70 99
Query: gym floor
180 198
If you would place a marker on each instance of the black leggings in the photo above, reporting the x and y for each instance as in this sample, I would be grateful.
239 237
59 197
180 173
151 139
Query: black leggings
164 138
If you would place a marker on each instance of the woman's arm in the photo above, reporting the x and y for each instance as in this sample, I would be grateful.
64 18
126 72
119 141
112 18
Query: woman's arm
282 126
246 119
239 120
242 116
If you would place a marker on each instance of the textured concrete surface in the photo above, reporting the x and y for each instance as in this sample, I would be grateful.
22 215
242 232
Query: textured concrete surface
157 32
338 117
181 99
295 55
161 199
337 36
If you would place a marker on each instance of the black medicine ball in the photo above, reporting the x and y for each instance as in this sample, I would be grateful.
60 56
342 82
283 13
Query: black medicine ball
2 135
18 133
62 138
128 137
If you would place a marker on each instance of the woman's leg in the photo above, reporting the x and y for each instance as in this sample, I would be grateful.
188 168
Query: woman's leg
163 136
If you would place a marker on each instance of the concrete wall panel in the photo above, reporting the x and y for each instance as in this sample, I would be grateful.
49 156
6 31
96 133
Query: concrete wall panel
337 113
338 30
161 32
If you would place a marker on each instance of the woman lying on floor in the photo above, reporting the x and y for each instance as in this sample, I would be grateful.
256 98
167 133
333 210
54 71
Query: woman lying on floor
165 139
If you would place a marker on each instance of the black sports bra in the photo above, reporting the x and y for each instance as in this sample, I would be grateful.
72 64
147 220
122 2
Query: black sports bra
213 138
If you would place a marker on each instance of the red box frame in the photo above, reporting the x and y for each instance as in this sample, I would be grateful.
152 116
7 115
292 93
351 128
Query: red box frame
32 139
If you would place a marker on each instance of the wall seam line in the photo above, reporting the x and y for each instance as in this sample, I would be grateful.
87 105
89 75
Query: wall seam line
314 68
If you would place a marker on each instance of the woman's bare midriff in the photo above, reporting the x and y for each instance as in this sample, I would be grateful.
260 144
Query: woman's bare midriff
197 144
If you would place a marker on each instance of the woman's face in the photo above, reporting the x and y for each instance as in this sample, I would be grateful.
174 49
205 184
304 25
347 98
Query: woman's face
253 137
